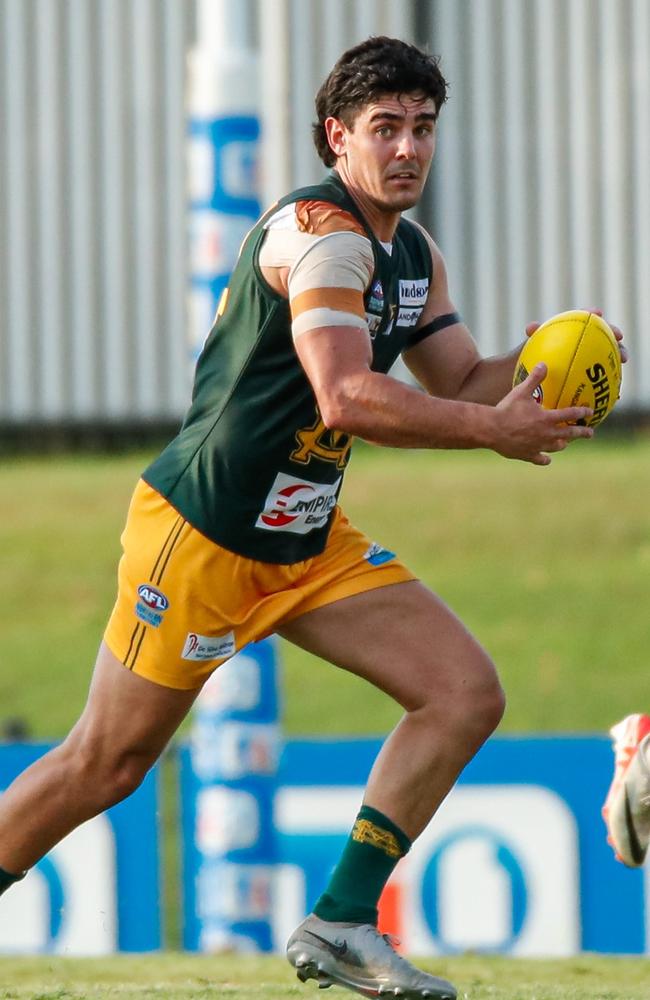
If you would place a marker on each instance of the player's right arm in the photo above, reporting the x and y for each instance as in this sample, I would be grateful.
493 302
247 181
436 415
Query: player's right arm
354 399
325 283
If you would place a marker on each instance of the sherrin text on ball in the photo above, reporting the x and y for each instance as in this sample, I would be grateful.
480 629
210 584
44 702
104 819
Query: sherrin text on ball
583 361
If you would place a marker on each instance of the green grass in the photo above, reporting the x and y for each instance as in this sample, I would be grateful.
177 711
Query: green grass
548 567
183 977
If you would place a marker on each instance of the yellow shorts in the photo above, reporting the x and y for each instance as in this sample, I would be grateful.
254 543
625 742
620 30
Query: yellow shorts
185 604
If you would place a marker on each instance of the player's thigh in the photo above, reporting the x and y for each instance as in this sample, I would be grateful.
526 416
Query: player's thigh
403 639
126 714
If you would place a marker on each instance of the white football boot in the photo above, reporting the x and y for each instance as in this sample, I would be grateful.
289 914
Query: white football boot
627 806
358 957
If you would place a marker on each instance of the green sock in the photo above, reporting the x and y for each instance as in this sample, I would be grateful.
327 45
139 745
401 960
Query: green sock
373 849
7 879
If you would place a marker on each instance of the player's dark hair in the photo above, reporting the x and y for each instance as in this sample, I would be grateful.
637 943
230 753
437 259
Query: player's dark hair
373 69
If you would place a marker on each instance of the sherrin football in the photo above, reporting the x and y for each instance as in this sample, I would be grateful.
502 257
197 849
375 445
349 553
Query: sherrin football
583 361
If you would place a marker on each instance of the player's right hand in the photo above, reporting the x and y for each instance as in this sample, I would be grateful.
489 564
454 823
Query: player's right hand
528 432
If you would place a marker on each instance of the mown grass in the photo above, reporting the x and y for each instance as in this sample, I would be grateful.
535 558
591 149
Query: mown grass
548 567
184 977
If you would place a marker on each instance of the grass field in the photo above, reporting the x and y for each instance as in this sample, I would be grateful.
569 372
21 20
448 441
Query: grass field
181 977
549 567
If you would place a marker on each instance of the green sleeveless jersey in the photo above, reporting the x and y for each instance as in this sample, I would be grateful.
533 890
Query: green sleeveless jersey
253 466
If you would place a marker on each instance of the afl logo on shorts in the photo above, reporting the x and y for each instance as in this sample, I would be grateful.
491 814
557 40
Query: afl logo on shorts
151 605
153 598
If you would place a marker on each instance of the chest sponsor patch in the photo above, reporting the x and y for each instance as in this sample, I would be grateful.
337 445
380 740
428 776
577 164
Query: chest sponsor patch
297 505
208 647
413 292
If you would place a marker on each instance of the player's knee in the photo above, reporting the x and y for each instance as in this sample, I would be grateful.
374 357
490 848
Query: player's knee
493 704
125 774
104 775
478 705
487 705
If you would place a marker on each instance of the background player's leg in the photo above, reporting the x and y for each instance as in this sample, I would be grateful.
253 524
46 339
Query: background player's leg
404 640
123 729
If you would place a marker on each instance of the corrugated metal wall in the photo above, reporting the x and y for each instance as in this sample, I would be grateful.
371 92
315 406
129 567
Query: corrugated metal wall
317 32
93 258
540 180
542 176
92 224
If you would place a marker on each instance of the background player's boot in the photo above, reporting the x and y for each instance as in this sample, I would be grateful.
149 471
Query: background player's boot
359 957
627 807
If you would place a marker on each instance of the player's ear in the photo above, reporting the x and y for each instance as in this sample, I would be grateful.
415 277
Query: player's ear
336 132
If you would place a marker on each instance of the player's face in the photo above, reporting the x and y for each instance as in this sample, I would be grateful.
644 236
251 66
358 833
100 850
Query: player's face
385 156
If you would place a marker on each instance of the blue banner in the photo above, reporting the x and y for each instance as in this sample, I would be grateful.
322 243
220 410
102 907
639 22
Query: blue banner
96 892
515 862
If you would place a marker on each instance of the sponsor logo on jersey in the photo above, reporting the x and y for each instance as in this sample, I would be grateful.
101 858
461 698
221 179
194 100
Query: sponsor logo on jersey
319 441
208 647
375 307
376 300
151 604
413 292
408 317
297 505
377 554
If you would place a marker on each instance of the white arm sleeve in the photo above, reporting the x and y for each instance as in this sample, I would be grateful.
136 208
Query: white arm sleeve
327 282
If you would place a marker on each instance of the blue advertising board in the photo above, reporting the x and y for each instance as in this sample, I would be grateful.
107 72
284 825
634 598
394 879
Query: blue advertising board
515 861
96 892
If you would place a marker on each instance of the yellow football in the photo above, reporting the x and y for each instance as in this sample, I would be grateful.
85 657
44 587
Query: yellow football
583 360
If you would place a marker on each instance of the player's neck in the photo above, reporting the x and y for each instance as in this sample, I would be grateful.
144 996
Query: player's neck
382 222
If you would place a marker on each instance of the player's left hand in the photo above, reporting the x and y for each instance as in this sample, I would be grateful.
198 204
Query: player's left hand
623 351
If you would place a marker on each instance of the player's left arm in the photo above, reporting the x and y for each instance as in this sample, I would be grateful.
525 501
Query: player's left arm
444 357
